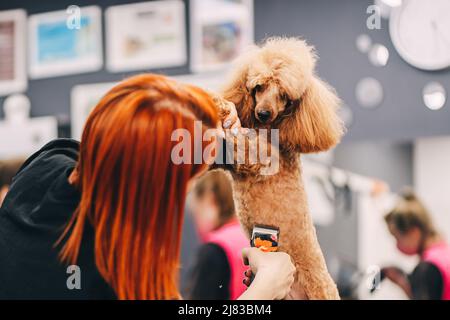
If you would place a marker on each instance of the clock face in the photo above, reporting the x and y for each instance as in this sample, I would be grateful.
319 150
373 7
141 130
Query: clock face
420 32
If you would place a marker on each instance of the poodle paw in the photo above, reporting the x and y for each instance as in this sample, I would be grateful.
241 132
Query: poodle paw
224 107
251 154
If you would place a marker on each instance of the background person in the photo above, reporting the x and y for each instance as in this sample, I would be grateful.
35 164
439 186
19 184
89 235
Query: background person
219 271
113 204
411 225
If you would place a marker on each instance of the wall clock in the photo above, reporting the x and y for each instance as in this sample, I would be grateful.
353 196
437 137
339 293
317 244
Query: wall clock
420 32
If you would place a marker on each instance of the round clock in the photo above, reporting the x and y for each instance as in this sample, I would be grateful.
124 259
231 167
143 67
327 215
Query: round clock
420 32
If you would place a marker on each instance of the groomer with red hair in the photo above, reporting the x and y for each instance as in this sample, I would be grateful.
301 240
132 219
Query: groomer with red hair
112 205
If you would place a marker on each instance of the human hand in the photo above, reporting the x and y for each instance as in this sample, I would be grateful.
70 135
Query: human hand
227 114
274 274
296 292
392 273
230 118
397 276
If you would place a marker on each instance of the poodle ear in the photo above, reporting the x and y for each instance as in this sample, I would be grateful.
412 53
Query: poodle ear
236 91
315 126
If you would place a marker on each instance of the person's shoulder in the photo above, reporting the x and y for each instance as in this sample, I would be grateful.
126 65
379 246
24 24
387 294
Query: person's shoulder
211 248
65 147
48 162
42 179
212 254
427 269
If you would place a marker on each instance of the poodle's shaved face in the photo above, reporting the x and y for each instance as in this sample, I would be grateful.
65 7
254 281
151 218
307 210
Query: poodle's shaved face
270 102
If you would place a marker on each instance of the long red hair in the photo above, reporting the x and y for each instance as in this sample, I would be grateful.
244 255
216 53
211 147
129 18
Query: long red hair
131 191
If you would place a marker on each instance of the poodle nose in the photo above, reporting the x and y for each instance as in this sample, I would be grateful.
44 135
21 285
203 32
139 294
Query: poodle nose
264 115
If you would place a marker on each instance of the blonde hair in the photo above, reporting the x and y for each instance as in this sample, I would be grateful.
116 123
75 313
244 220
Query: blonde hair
410 212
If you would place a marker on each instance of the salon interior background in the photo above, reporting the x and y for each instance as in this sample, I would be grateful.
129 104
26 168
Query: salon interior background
332 27
401 141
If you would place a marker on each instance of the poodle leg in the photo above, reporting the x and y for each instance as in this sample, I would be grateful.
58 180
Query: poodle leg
280 201
246 155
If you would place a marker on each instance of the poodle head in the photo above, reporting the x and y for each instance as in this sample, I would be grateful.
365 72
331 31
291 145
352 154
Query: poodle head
274 87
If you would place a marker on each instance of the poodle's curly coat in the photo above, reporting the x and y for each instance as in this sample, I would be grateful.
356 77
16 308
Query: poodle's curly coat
277 80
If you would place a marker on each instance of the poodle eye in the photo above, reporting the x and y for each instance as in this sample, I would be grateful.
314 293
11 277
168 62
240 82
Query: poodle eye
257 88
288 101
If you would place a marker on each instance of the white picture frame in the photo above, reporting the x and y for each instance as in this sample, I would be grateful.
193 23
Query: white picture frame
219 31
145 35
58 48
83 98
26 137
210 81
13 74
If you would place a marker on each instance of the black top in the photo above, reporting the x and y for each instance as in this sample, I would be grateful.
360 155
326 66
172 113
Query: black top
426 282
211 275
37 207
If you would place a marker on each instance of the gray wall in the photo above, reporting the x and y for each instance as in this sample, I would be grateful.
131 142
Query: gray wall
390 162
332 27
52 96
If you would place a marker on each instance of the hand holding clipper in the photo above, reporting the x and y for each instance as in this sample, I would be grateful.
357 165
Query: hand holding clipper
273 274
265 238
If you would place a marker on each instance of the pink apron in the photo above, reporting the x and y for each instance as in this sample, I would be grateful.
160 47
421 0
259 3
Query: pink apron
439 255
231 238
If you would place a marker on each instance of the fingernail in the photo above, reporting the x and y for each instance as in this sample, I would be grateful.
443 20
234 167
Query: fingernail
226 124
234 131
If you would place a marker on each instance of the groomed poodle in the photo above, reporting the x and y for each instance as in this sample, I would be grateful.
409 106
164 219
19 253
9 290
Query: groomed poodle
274 86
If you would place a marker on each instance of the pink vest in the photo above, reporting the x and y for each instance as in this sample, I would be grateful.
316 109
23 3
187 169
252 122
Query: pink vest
231 238
439 255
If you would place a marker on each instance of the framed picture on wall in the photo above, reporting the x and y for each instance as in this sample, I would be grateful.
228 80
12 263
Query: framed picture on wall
83 99
29 136
65 42
13 77
220 31
211 81
145 35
